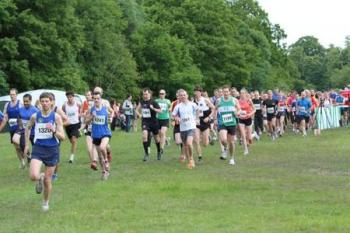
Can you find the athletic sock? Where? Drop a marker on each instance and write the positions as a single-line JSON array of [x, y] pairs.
[[145, 147], [158, 147]]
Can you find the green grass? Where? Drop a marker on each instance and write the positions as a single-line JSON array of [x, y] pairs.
[[292, 185]]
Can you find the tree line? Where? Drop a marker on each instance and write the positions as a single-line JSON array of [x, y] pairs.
[[124, 45]]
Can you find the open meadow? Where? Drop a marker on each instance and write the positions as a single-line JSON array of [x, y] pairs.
[[294, 184]]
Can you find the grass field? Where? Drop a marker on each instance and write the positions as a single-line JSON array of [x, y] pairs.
[[294, 184]]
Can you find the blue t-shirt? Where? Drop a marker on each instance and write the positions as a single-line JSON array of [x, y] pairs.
[[303, 107], [1, 116], [25, 114], [100, 123]]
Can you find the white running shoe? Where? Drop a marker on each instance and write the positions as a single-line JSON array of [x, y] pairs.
[[45, 206], [223, 154], [246, 152], [232, 162], [71, 158]]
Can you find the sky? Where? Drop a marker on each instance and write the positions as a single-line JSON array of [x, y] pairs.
[[327, 20]]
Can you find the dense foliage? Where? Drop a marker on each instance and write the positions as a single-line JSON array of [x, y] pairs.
[[124, 45]]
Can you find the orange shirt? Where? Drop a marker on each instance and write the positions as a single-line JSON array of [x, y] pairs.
[[246, 108]]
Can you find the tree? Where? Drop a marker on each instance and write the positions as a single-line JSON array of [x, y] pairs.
[[105, 58]]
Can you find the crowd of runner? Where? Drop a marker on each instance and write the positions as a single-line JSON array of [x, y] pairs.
[[230, 117]]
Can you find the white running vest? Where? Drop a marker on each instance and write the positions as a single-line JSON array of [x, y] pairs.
[[72, 113]]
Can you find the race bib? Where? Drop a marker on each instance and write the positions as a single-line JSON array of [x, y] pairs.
[[201, 113], [12, 122], [302, 109], [257, 106], [243, 113], [270, 110], [281, 108], [99, 120], [227, 118], [43, 130], [163, 107], [146, 113]]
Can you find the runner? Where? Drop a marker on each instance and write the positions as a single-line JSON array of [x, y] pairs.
[[176, 129], [281, 113], [87, 105], [291, 107], [72, 109], [258, 116], [303, 107], [25, 113], [149, 109], [64, 117], [100, 134], [270, 106], [227, 108], [48, 131], [128, 110], [163, 118], [11, 114], [206, 109], [245, 120], [106, 104], [186, 114]]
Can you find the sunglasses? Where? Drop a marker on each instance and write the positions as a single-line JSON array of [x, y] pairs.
[[161, 93]]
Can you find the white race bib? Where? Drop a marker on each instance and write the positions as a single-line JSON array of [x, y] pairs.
[[227, 118], [281, 108], [302, 109], [163, 106], [270, 110], [43, 130], [201, 113], [99, 120], [12, 122], [146, 113], [257, 106]]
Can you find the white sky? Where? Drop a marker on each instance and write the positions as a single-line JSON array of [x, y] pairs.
[[327, 20]]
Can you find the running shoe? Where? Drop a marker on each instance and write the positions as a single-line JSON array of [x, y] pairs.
[[71, 158], [105, 175], [39, 186], [182, 158], [145, 158], [45, 207], [54, 177], [93, 165], [200, 160], [191, 164], [246, 152], [232, 162], [223, 155]]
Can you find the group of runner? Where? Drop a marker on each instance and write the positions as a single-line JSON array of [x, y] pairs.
[[229, 115], [43, 128]]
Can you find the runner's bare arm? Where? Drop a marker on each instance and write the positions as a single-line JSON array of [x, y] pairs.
[[27, 133], [138, 110], [59, 127]]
